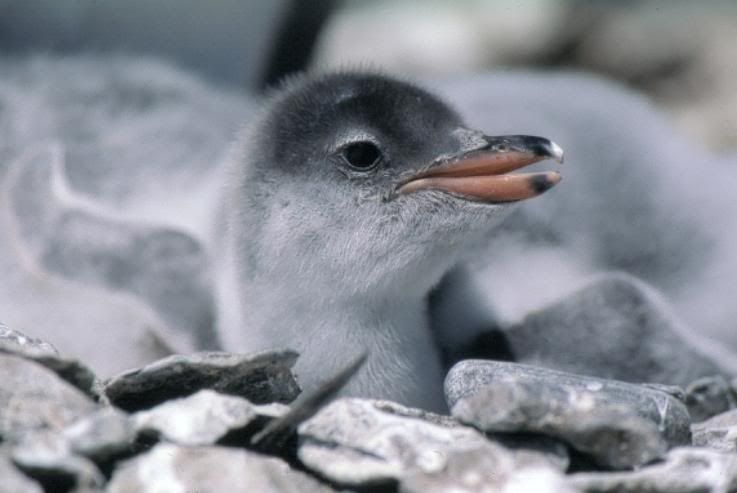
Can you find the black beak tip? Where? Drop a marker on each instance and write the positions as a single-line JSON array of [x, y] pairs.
[[547, 148], [543, 182]]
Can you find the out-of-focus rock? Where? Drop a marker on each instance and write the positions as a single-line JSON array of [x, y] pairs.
[[617, 424], [357, 442], [33, 397], [47, 457], [618, 332], [101, 434], [74, 316], [685, 470], [261, 378], [438, 37], [15, 481], [709, 396], [186, 469], [718, 432], [63, 235], [203, 418]]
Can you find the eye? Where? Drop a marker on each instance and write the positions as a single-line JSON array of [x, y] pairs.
[[362, 156]]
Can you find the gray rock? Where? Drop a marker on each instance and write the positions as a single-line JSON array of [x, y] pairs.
[[33, 397], [685, 470], [71, 370], [65, 236], [176, 469], [47, 457], [478, 471], [709, 396], [620, 331], [358, 442], [308, 403], [14, 481], [101, 434], [203, 418], [14, 342], [73, 315], [618, 424], [261, 378], [719, 432]]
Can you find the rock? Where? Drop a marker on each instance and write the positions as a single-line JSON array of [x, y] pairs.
[[261, 378], [65, 236], [307, 404], [361, 443], [621, 331], [719, 432], [479, 471], [71, 370], [685, 470], [203, 418], [33, 397], [177, 469], [14, 481], [14, 342], [709, 396], [617, 424], [101, 435], [73, 315], [47, 457]]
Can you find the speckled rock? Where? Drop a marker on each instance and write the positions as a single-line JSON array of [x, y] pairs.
[[33, 397], [177, 469], [73, 371], [203, 418], [685, 470], [478, 471], [259, 377], [617, 424], [709, 396], [359, 442], [718, 432], [620, 330]]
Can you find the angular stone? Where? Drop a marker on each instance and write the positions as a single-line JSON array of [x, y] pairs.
[[177, 469], [33, 397], [101, 435], [685, 470], [14, 481], [718, 432], [621, 330], [261, 378], [709, 396], [361, 443], [617, 424], [203, 418], [71, 370], [47, 457]]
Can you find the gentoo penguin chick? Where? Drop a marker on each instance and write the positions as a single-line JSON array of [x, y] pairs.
[[351, 196]]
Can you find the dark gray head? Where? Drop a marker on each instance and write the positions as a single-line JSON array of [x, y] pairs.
[[361, 182]]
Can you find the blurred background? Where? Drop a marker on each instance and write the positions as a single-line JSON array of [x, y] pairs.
[[682, 54]]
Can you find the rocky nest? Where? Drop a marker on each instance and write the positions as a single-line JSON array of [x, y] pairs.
[[217, 421]]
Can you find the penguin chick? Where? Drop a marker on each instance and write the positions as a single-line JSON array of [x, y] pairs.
[[348, 200]]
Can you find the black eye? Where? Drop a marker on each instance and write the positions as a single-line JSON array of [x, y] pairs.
[[362, 156]]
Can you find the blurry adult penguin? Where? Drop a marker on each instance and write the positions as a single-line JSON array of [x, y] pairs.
[[350, 199]]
